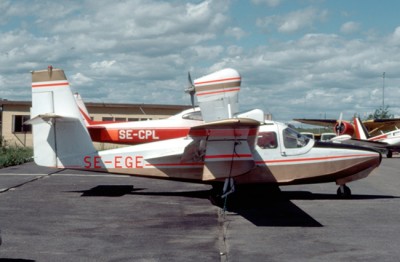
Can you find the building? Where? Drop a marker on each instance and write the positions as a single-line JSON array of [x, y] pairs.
[[15, 113]]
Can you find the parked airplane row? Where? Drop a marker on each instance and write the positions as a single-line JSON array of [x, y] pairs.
[[385, 142], [223, 147]]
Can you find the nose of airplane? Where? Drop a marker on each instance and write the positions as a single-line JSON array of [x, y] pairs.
[[349, 162]]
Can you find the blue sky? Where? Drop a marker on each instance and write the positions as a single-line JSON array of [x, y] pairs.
[[297, 58]]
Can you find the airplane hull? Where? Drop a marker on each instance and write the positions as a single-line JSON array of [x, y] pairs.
[[340, 166]]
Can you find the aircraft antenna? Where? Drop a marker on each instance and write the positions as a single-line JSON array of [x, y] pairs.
[[383, 91]]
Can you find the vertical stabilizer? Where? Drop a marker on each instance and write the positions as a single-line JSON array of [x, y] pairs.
[[360, 130], [60, 138], [218, 94]]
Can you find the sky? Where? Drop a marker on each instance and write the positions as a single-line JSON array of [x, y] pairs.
[[297, 58]]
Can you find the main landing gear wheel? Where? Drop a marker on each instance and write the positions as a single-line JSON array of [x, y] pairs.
[[389, 154], [344, 191]]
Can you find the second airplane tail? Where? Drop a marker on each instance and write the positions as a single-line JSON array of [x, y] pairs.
[[360, 130], [54, 116]]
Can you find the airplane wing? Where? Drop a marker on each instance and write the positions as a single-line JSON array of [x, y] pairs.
[[226, 147], [389, 124], [379, 146], [317, 122]]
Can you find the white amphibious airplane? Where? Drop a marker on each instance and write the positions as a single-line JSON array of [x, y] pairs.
[[230, 147]]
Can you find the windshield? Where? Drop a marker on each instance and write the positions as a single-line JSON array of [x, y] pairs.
[[293, 139]]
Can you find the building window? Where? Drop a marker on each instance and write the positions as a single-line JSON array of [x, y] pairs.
[[108, 119], [130, 119], [18, 124], [120, 119]]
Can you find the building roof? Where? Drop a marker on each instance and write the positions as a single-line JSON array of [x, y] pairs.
[[97, 104]]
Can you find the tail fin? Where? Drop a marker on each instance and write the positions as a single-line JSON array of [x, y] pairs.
[[60, 138], [83, 109], [360, 130], [217, 94]]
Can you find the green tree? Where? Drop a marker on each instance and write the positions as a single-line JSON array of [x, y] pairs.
[[380, 113]]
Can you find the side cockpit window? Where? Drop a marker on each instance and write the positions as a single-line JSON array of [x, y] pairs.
[[267, 140], [293, 139]]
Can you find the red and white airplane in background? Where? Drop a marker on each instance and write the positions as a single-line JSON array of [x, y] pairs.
[[228, 148], [390, 140], [343, 127]]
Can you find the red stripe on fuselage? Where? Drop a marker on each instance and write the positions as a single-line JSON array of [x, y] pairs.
[[227, 132], [314, 158], [228, 156]]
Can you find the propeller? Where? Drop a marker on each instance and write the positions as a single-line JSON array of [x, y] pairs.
[[339, 127], [190, 89]]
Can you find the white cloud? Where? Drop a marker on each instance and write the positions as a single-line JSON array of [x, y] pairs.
[[236, 32], [147, 52], [349, 27], [79, 79], [102, 65], [300, 19], [293, 21], [271, 3]]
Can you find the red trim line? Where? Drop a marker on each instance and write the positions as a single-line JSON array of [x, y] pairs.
[[48, 85], [378, 137], [242, 131], [229, 156], [217, 92], [87, 118], [313, 159], [218, 80], [175, 164]]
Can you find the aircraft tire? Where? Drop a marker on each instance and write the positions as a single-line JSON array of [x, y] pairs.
[[346, 192], [389, 154]]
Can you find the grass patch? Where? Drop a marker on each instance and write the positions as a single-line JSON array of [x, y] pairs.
[[14, 155]]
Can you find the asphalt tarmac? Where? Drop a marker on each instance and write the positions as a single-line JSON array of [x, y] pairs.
[[50, 215]]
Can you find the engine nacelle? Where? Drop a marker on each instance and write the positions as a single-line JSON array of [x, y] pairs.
[[345, 128]]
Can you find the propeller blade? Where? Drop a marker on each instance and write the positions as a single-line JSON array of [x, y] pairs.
[[190, 79], [190, 89], [339, 123]]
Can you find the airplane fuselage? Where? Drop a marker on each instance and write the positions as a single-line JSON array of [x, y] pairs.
[[139, 132], [281, 156]]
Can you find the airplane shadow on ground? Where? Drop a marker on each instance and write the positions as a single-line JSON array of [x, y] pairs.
[[266, 206]]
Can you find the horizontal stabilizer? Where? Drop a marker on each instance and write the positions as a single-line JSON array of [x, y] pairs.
[[60, 137], [217, 94], [46, 118]]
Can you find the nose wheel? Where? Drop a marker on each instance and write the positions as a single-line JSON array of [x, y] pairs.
[[343, 191]]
